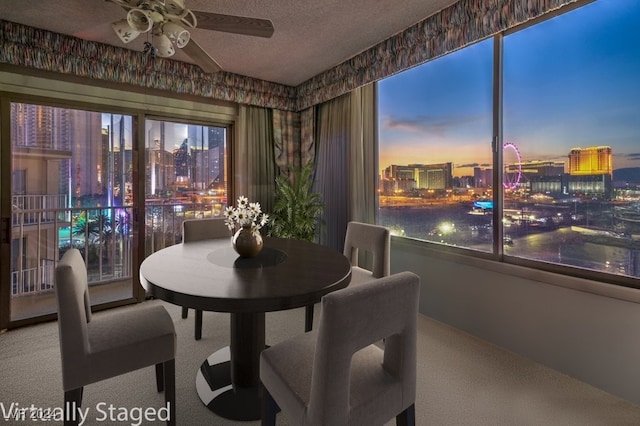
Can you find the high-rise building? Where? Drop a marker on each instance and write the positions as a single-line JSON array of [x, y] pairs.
[[421, 176], [40, 126], [482, 177], [589, 175], [181, 160], [593, 160], [216, 156], [538, 168], [86, 148], [46, 129]]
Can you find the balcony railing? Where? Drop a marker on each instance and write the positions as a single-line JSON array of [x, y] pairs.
[[33, 209], [164, 220], [33, 280], [43, 226], [42, 235]]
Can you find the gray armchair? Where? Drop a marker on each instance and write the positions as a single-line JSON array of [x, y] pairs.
[[363, 237], [94, 348], [336, 375], [196, 230]]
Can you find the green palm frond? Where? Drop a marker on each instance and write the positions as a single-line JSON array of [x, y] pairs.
[[297, 208]]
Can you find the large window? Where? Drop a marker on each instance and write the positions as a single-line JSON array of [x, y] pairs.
[[435, 150], [570, 138], [185, 178]]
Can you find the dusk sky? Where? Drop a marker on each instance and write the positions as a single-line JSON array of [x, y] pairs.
[[573, 81]]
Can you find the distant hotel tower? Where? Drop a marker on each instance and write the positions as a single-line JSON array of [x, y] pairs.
[[594, 160], [416, 177], [482, 178], [589, 174]]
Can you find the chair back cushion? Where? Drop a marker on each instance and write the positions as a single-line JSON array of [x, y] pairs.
[[352, 319], [74, 312], [204, 229], [374, 239]]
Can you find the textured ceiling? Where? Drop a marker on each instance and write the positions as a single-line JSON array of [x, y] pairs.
[[310, 36]]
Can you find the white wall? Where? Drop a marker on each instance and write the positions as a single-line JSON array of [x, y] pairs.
[[592, 337]]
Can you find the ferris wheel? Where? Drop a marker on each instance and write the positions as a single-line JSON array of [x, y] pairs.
[[512, 166]]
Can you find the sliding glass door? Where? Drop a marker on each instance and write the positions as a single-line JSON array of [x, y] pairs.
[[71, 186]]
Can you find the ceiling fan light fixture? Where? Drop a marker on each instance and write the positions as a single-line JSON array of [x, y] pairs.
[[176, 34], [175, 7], [124, 31], [170, 21], [140, 20], [164, 47]]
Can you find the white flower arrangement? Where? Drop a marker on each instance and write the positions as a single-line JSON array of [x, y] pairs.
[[245, 215]]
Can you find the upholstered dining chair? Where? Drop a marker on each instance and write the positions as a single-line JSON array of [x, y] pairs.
[[97, 347], [363, 237], [337, 375], [196, 230]]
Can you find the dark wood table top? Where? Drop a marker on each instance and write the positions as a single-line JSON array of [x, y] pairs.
[[209, 275]]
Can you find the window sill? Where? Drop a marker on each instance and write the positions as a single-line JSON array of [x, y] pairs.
[[481, 261]]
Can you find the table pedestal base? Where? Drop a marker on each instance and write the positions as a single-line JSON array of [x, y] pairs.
[[213, 383]]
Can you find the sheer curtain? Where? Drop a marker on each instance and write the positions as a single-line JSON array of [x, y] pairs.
[[253, 156], [363, 155], [346, 162]]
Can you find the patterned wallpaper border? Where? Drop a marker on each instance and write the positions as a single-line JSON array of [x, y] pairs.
[[44, 50], [452, 28]]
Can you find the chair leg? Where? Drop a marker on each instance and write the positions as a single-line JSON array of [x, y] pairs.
[[185, 312], [407, 417], [72, 401], [198, 324], [269, 408], [160, 377], [170, 390], [308, 318]]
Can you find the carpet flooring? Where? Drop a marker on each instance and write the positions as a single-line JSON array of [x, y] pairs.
[[461, 380]]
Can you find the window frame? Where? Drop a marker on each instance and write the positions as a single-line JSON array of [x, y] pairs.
[[603, 283]]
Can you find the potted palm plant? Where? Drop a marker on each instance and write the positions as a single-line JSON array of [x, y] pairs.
[[296, 208]]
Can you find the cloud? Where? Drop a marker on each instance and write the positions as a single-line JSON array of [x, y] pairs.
[[634, 156], [425, 123], [469, 165]]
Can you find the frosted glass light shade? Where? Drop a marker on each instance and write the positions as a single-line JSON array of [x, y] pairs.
[[164, 47], [140, 20], [124, 31], [177, 34]]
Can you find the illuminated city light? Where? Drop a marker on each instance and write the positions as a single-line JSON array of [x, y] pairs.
[[446, 228]]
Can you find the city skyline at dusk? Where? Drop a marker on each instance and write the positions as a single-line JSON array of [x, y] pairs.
[[570, 82]]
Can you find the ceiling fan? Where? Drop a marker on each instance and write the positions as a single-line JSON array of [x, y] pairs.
[[168, 21]]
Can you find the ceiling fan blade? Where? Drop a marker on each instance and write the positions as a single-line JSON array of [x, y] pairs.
[[127, 4], [200, 57], [234, 24]]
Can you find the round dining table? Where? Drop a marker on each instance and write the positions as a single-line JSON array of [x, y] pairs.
[[209, 275]]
